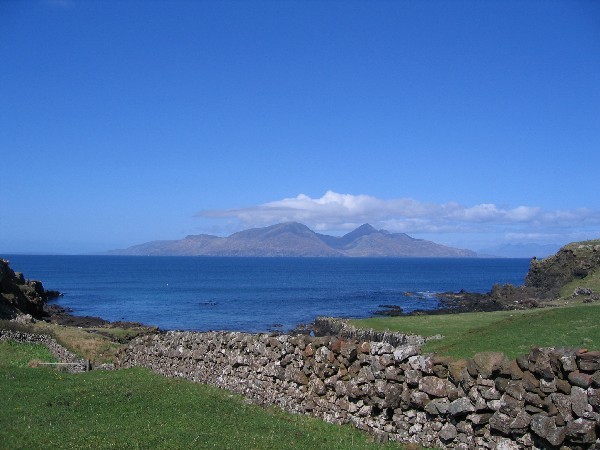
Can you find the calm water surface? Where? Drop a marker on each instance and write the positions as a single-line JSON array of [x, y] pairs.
[[255, 294]]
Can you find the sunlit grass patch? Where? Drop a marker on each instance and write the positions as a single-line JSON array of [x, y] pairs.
[[136, 408], [512, 332]]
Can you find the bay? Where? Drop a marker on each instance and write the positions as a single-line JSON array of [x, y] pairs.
[[255, 294]]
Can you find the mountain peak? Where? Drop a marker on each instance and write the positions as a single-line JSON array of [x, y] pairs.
[[363, 230], [296, 239], [366, 228]]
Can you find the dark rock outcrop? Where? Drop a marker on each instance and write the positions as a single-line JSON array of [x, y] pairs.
[[574, 261], [21, 296]]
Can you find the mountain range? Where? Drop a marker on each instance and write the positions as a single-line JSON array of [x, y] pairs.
[[294, 239]]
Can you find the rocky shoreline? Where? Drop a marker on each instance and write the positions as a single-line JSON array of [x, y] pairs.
[[542, 286]]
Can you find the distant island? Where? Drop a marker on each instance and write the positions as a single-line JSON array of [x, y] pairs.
[[294, 239]]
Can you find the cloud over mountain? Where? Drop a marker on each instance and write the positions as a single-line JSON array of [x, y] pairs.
[[335, 211]]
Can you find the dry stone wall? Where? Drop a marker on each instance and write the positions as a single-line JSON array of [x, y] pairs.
[[75, 363], [547, 399]]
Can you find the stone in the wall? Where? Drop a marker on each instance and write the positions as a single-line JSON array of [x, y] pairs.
[[486, 364], [511, 369], [594, 398], [531, 383], [437, 406], [539, 363], [403, 353], [579, 401], [580, 379], [419, 399], [589, 361], [500, 422], [596, 379], [461, 406], [545, 427], [434, 386], [392, 395], [581, 431], [448, 432]]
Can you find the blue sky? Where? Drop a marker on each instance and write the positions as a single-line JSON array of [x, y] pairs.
[[465, 122]]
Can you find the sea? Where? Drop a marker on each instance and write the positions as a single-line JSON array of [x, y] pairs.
[[255, 294]]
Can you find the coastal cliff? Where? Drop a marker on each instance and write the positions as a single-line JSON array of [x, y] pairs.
[[573, 261], [19, 295], [575, 266]]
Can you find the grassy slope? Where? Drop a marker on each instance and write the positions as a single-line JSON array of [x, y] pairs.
[[85, 342], [572, 324], [135, 408], [513, 332], [592, 281]]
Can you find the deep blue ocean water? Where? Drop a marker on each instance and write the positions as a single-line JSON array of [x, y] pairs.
[[255, 294]]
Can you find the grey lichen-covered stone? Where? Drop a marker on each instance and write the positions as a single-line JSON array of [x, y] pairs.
[[515, 389], [511, 406], [461, 406], [534, 400], [447, 433], [579, 401], [500, 422], [392, 373], [520, 423], [405, 352], [434, 386], [548, 386], [419, 399], [582, 431], [545, 427], [477, 400], [437, 406], [506, 444], [490, 393], [422, 363], [569, 363], [392, 395], [413, 377], [479, 418]]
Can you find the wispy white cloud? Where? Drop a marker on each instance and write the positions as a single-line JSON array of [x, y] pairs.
[[338, 212]]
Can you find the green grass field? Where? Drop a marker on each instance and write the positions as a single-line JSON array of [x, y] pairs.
[[135, 408], [512, 332]]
